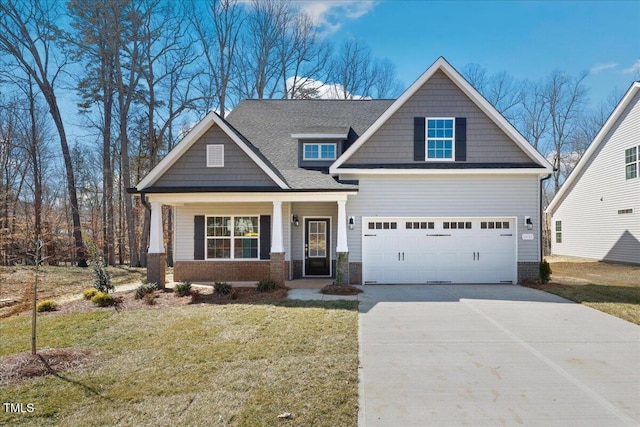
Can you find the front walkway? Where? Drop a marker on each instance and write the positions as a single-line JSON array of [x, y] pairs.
[[493, 355]]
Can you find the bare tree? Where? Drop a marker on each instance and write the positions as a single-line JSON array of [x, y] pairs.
[[354, 70], [218, 36], [386, 84], [533, 120], [26, 34], [565, 97], [500, 89]]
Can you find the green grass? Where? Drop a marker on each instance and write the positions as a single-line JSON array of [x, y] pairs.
[[619, 301], [236, 365]]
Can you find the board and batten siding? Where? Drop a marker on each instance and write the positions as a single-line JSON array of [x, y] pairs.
[[439, 97], [191, 169], [447, 196], [183, 229], [591, 225]]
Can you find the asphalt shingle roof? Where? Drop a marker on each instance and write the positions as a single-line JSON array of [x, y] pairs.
[[269, 124]]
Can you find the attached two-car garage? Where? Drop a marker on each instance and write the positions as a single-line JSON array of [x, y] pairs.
[[439, 250]]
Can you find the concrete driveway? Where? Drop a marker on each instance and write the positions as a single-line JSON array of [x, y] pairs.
[[493, 355]]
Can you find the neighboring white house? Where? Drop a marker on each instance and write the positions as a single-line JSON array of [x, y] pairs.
[[596, 213], [435, 186]]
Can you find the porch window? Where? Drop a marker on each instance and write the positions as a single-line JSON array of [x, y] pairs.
[[232, 237]]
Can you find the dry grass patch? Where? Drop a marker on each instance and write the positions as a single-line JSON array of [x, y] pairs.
[[234, 364]]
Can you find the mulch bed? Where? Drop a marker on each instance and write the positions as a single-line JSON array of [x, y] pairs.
[[49, 361], [340, 290]]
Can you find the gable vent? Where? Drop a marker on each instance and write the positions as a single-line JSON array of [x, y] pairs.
[[215, 155]]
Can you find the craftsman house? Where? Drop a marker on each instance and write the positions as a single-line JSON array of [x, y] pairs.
[[433, 187]]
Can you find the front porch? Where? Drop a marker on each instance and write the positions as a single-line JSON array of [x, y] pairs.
[[238, 237]]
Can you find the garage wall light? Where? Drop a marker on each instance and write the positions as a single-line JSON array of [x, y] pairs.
[[295, 220], [528, 223], [352, 221]]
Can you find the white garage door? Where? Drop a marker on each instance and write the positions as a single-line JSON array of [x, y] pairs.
[[439, 250]]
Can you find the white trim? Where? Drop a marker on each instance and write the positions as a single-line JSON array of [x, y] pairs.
[[231, 237], [215, 155], [191, 138], [426, 139], [319, 158], [597, 141], [442, 65], [319, 135], [176, 199], [341, 236], [384, 171], [277, 230], [304, 239], [156, 232]]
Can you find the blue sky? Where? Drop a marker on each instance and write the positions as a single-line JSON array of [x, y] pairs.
[[527, 39]]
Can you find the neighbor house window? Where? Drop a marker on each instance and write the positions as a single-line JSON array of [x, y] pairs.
[[558, 231], [631, 162], [440, 138], [232, 237], [215, 155], [317, 151]]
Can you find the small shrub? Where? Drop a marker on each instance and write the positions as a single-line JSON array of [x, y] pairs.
[[101, 277], [182, 289], [234, 294], [144, 289], [266, 285], [150, 299], [222, 288], [89, 293], [195, 295], [545, 271], [102, 299], [46, 305]]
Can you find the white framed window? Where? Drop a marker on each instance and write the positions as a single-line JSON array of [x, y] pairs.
[[318, 151], [232, 237], [440, 140], [215, 155], [558, 231], [631, 162]]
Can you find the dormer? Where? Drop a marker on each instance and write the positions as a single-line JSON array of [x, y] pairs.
[[319, 147]]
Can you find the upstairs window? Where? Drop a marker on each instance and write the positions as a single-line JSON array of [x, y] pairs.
[[631, 162], [319, 151], [440, 138]]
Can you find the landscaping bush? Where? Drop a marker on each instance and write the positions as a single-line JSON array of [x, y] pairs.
[[222, 288], [46, 305], [144, 289], [150, 299], [102, 299], [182, 289], [195, 295], [89, 293], [101, 277], [266, 285], [545, 271]]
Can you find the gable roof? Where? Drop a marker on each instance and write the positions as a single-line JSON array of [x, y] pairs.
[[274, 125], [199, 130], [600, 139], [442, 65]]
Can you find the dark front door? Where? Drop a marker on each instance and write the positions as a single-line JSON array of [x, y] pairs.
[[317, 247]]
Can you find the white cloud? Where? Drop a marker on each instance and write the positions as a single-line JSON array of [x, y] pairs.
[[331, 15], [635, 68], [601, 67], [315, 89]]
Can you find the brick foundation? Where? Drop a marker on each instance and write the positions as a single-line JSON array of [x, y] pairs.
[[221, 271], [528, 271], [342, 269], [156, 269], [278, 268]]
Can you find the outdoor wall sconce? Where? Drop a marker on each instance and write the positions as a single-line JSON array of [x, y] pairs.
[[295, 220], [528, 223], [352, 221]]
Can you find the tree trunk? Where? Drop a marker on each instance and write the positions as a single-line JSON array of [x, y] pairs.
[[37, 178]]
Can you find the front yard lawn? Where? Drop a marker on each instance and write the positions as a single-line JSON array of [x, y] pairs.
[[227, 365], [611, 288]]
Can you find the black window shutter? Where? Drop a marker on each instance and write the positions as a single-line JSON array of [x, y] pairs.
[[198, 237], [418, 139], [265, 236], [461, 139]]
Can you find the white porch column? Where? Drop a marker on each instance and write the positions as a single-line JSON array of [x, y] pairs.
[[341, 244], [156, 238], [276, 235]]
